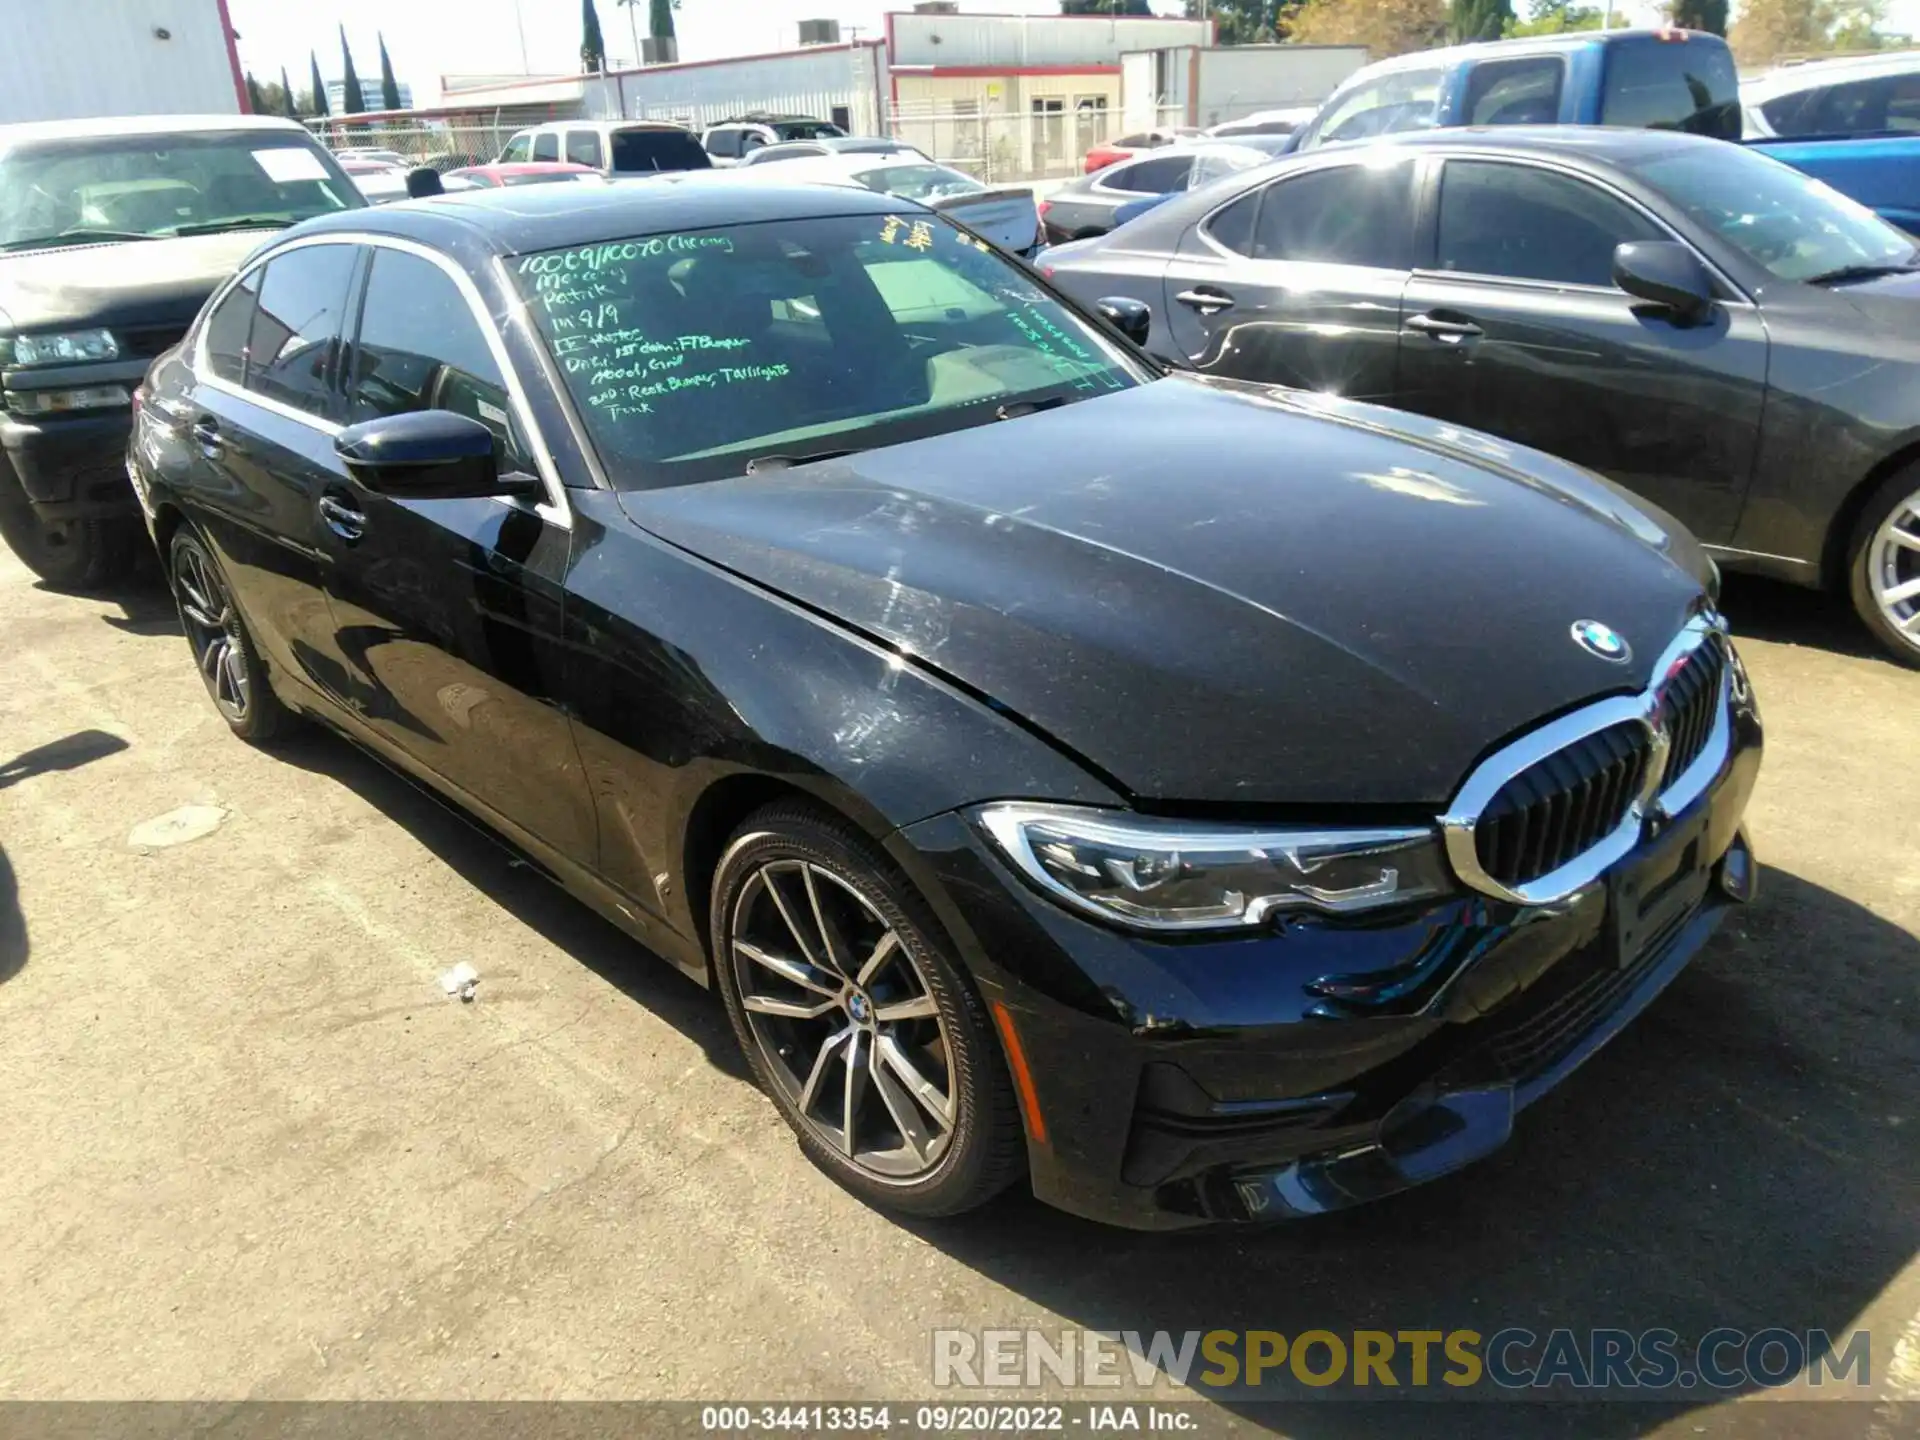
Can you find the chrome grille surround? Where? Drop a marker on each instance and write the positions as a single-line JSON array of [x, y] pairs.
[[1659, 791]]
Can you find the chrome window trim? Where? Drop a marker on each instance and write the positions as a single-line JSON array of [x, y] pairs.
[[554, 509], [1659, 793]]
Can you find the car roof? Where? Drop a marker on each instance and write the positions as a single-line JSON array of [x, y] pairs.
[[1812, 74], [601, 125], [553, 217], [1450, 55], [134, 126]]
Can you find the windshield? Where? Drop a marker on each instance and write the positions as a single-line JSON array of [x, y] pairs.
[[689, 355], [919, 182], [658, 150], [70, 193], [1792, 224]]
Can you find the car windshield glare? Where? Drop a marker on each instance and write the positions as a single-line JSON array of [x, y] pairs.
[[162, 185], [689, 355], [1794, 225]]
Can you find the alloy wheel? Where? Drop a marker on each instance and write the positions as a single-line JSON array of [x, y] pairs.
[[843, 1016], [1894, 568], [213, 630]]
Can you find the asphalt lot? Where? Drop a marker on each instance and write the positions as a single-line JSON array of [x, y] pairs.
[[251, 1150]]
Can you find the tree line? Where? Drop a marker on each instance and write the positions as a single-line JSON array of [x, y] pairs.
[[280, 98]]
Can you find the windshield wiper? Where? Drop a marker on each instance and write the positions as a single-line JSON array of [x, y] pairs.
[[1015, 409], [79, 235], [238, 222], [1844, 273], [787, 462]]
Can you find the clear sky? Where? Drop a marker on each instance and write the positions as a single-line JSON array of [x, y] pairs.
[[428, 38]]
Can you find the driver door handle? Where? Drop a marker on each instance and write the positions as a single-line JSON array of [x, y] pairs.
[[1205, 299], [1446, 331], [341, 518]]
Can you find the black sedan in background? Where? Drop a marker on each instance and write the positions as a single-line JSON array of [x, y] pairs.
[[845, 615], [1706, 326]]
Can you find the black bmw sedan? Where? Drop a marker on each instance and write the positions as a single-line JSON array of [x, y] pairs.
[[1213, 833], [1713, 330]]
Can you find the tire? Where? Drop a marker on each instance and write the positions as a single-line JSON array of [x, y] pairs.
[[941, 1147], [1883, 560], [76, 555], [223, 651]]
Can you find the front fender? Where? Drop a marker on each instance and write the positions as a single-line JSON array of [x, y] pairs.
[[681, 675]]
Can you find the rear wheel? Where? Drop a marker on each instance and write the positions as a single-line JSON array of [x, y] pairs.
[[76, 555], [1884, 566], [223, 651], [868, 1037]]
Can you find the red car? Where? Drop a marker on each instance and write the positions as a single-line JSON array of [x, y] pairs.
[[1127, 146], [525, 172]]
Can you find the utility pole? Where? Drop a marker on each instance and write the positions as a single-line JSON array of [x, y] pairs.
[[520, 23]]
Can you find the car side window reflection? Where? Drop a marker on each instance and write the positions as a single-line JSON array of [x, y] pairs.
[[228, 328], [420, 348], [1528, 224], [296, 326]]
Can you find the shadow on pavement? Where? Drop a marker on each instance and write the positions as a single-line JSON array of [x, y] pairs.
[[67, 753], [493, 866], [1736, 1157], [1791, 615], [13, 923]]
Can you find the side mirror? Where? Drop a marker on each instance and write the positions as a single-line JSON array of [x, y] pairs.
[[428, 455], [1132, 318], [423, 181], [1667, 273]]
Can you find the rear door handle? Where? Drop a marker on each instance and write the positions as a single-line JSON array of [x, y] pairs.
[[1205, 299], [206, 434], [1447, 332], [345, 521]]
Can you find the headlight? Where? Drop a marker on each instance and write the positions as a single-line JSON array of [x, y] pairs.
[[1167, 875], [74, 347]]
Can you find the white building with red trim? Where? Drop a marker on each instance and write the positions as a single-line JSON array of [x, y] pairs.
[[78, 59]]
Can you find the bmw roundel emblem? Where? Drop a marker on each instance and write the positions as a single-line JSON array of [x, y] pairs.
[[1601, 641]]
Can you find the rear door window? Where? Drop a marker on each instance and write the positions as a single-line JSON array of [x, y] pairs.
[[1515, 92], [229, 327], [546, 146], [296, 326], [1655, 84], [1343, 215], [724, 142], [1152, 177], [1528, 224], [1890, 103], [583, 148], [658, 150]]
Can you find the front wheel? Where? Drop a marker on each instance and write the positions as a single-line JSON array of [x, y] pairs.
[[1884, 566], [79, 555], [866, 1034]]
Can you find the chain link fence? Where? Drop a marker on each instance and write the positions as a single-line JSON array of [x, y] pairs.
[[995, 146]]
